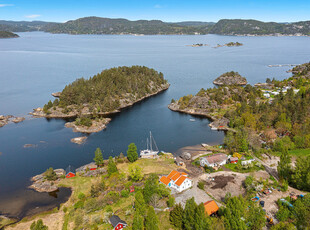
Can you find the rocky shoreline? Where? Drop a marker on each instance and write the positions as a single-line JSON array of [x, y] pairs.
[[40, 184], [4, 120], [97, 125], [216, 124]]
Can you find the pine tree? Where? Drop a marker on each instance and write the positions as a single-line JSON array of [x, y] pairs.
[[151, 220], [38, 225], [132, 154], [139, 204], [111, 166], [98, 157], [137, 222], [176, 216], [189, 214], [284, 168]]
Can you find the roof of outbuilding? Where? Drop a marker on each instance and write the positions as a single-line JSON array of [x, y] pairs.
[[234, 159], [115, 220], [216, 158], [211, 207], [70, 169]]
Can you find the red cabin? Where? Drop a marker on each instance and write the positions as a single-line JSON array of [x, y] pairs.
[[70, 172], [234, 160], [132, 188], [117, 223]]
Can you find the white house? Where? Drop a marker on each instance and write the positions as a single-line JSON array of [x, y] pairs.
[[214, 160], [177, 180], [243, 163], [267, 95]]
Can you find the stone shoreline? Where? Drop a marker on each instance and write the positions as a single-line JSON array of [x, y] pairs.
[[216, 124]]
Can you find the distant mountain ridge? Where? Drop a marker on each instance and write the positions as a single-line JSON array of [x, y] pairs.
[[98, 25], [254, 27]]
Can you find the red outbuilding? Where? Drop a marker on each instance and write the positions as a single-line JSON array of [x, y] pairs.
[[132, 188], [117, 223], [70, 172], [234, 160]]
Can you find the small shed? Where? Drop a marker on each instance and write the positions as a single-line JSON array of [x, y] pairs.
[[117, 223], [70, 172], [179, 161], [211, 207], [234, 160], [131, 188]]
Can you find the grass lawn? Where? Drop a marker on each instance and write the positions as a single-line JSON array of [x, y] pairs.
[[296, 152], [164, 222], [238, 168], [5, 221], [299, 152], [162, 165]]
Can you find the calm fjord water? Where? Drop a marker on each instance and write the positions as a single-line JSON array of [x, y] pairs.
[[37, 64]]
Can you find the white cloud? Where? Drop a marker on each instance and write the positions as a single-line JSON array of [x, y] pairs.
[[33, 16], [157, 6], [4, 5]]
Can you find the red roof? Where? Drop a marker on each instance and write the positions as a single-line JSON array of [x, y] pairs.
[[165, 180], [211, 207], [180, 180], [173, 172]]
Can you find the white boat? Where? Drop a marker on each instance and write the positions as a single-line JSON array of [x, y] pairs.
[[192, 119], [149, 152]]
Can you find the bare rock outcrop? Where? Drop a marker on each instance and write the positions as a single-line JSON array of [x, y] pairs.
[[78, 140], [40, 184]]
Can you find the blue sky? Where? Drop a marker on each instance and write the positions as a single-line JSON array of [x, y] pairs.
[[166, 10]]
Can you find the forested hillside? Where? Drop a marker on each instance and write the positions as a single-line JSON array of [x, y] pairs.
[[97, 25], [6, 34], [254, 27], [275, 120]]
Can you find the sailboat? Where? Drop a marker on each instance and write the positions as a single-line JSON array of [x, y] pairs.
[[149, 152]]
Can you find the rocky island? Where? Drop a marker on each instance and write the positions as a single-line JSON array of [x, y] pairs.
[[4, 120], [89, 101], [230, 78], [7, 34]]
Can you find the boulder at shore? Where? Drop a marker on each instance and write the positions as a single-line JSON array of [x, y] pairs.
[[230, 78]]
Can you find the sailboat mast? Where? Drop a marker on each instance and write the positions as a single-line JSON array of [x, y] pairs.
[[151, 141]]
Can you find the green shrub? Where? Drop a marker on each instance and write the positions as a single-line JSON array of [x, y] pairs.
[[50, 174], [81, 196], [171, 201], [125, 193], [84, 121], [79, 204], [201, 185]]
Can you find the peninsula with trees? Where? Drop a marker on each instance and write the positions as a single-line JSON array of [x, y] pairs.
[[7, 34], [89, 101]]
